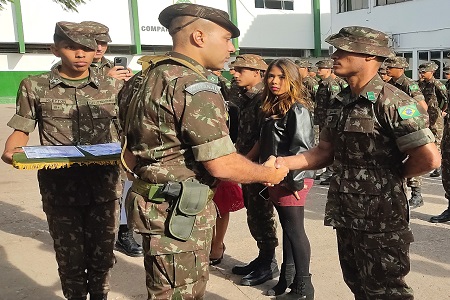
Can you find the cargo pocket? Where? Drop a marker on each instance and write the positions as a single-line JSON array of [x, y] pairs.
[[360, 199]]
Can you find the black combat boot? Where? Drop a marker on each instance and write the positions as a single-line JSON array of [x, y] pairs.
[[127, 244], [287, 274], [444, 217], [416, 198], [99, 297], [264, 270], [301, 289], [436, 173], [245, 269]]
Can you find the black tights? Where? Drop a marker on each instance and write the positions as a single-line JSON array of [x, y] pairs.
[[296, 247]]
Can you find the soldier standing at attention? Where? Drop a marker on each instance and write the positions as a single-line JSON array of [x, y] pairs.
[[395, 68], [176, 138], [312, 71], [80, 202], [445, 151], [435, 95], [309, 82], [328, 89], [249, 70], [374, 133]]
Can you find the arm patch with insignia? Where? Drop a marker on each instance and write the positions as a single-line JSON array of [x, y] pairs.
[[408, 111], [414, 87], [202, 87]]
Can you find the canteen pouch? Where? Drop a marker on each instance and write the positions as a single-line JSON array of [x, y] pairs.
[[191, 202]]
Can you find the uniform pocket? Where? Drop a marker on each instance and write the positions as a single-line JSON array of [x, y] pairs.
[[360, 199]]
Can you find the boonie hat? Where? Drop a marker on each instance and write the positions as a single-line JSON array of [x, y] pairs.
[[325, 64], [360, 39], [446, 70], [77, 33], [101, 31], [303, 63], [251, 61], [313, 69], [396, 62], [382, 69], [215, 15], [429, 66]]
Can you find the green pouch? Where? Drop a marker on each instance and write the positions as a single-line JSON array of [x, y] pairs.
[[192, 200]]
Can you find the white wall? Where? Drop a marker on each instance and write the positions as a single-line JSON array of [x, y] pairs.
[[7, 32]]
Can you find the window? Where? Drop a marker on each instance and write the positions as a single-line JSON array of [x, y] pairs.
[[275, 4], [349, 5], [387, 2], [439, 57]]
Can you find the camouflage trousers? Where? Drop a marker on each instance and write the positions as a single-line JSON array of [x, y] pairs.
[[83, 239], [260, 216], [445, 165], [374, 265], [436, 124], [414, 181]]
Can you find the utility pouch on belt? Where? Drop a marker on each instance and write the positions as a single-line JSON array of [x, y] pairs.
[[191, 201]]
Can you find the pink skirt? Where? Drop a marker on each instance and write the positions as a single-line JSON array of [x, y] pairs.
[[281, 196], [228, 197]]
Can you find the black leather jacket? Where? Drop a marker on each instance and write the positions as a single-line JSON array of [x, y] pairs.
[[286, 136]]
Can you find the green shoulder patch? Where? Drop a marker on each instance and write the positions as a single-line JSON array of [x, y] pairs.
[[202, 87], [315, 87], [371, 96], [414, 87], [408, 111], [335, 88]]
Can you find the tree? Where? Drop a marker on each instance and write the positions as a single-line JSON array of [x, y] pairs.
[[68, 5]]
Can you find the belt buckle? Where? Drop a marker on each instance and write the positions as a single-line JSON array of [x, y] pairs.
[[155, 194]]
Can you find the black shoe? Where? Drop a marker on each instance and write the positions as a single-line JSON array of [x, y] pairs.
[[245, 269], [99, 297], [260, 275], [127, 244], [436, 173], [444, 217]]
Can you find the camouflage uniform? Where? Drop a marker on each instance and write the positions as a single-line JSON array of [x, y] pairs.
[[341, 81], [81, 202], [435, 95], [366, 202], [311, 84], [103, 66]]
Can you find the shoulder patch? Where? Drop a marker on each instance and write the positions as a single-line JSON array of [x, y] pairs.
[[335, 88], [442, 87], [371, 96], [408, 111], [414, 87], [202, 87]]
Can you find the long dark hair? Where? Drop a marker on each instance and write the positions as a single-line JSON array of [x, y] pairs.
[[296, 92]]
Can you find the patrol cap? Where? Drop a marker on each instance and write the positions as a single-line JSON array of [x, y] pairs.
[[302, 63], [382, 69], [215, 15], [360, 39], [313, 69], [429, 66], [101, 31], [251, 61], [446, 70], [325, 64], [77, 33], [396, 62]]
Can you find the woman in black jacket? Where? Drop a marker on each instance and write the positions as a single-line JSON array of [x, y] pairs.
[[288, 130]]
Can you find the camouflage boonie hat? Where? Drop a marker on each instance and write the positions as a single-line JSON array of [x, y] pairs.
[[382, 69], [303, 63], [215, 15], [325, 64], [396, 62], [251, 61], [77, 33], [313, 69], [360, 39], [429, 66], [446, 70], [101, 31]]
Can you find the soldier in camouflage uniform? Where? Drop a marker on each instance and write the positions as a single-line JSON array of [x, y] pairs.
[[309, 82], [376, 136], [435, 95], [176, 133], [383, 73], [72, 105], [395, 67], [445, 151], [327, 90], [341, 81], [249, 71], [312, 71]]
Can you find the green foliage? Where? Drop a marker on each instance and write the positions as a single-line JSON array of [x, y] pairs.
[[67, 5]]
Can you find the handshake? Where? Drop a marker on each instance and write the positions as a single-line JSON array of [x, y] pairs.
[[279, 172]]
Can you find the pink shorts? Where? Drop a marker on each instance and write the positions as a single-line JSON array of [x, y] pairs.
[[281, 196]]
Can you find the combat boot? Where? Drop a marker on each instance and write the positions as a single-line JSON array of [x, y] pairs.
[[436, 173], [287, 274], [266, 269], [301, 289], [444, 217], [127, 244], [416, 198], [99, 297]]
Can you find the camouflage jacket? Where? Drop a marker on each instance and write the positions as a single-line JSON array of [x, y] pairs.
[[179, 121], [435, 93], [328, 89], [370, 133], [311, 86], [85, 114], [409, 86], [249, 118], [103, 66], [341, 81]]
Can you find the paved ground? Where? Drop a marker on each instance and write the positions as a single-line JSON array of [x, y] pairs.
[[28, 267]]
